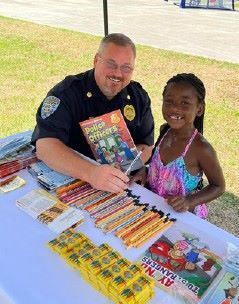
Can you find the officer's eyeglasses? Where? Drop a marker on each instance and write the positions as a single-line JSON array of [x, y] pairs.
[[110, 64]]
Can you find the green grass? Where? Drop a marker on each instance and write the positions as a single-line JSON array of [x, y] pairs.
[[34, 58]]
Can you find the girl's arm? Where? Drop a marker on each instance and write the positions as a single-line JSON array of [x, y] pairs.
[[140, 176], [210, 165]]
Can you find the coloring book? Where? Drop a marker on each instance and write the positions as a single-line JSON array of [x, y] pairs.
[[110, 140], [182, 262], [227, 290]]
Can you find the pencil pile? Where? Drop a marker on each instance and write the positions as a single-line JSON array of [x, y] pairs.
[[122, 213], [105, 269]]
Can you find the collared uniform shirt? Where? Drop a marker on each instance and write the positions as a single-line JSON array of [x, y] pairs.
[[80, 99]]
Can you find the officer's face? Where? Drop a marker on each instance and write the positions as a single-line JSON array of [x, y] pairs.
[[113, 69]]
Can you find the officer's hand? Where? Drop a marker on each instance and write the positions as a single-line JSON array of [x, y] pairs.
[[108, 178]]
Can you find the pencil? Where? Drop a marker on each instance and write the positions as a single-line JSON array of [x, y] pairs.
[[133, 162], [147, 238]]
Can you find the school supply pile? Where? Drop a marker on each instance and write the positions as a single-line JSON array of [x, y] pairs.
[[49, 210], [122, 213], [105, 269], [47, 177], [15, 154], [111, 141]]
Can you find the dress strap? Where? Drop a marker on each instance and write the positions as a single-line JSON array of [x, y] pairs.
[[163, 137], [190, 142]]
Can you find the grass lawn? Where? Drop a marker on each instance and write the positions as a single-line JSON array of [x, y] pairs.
[[34, 58]]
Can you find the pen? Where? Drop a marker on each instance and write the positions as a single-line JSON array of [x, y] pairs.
[[133, 162]]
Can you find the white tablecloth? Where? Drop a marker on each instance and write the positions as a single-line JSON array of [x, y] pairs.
[[30, 273]]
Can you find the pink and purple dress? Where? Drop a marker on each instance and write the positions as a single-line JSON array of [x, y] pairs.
[[173, 179]]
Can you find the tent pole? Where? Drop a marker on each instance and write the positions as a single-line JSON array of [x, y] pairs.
[[105, 17]]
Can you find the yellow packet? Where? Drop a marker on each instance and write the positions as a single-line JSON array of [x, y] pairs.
[[84, 248], [12, 183], [73, 260], [139, 291], [100, 264], [124, 279]]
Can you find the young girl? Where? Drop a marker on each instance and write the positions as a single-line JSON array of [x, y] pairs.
[[181, 154]]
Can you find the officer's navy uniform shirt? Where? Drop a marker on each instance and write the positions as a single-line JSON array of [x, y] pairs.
[[81, 99]]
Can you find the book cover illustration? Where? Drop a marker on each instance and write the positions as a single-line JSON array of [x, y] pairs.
[[110, 140], [182, 263], [227, 290], [49, 210]]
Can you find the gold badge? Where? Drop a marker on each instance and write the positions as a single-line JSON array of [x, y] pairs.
[[129, 112], [89, 94]]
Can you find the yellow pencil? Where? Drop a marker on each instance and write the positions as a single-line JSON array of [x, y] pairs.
[[127, 228], [123, 219], [150, 227]]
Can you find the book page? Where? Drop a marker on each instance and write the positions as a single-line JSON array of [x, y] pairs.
[[67, 219], [35, 202], [49, 210], [227, 290]]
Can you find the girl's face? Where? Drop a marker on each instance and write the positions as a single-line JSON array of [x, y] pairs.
[[181, 105]]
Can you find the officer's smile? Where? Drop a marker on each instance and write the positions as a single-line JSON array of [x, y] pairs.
[[114, 79]]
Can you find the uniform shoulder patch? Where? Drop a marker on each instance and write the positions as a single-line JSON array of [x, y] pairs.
[[49, 106]]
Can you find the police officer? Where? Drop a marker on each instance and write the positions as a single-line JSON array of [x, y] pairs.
[[103, 89]]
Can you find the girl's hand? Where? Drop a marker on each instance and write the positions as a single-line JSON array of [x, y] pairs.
[[179, 203], [139, 177]]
